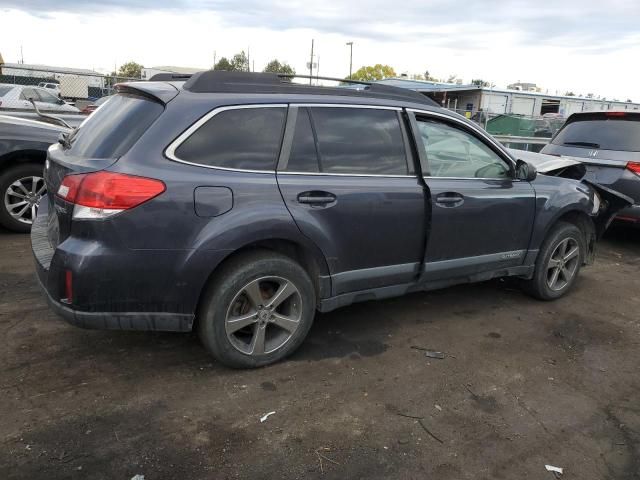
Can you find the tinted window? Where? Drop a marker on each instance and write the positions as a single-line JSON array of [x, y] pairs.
[[303, 156], [111, 130], [4, 89], [452, 152], [611, 134], [247, 138], [359, 140]]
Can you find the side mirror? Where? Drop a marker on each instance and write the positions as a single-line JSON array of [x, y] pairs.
[[60, 101], [525, 171]]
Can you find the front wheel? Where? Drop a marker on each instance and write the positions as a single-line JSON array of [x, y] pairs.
[[559, 262], [258, 310]]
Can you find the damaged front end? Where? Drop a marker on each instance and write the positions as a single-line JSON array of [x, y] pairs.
[[606, 202]]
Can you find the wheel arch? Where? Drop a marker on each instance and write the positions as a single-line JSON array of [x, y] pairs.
[[584, 222], [18, 157], [307, 255]]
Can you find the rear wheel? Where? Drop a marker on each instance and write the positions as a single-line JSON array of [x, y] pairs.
[[21, 188], [257, 311], [559, 262]]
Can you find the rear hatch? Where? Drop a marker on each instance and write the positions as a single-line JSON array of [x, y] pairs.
[[101, 139]]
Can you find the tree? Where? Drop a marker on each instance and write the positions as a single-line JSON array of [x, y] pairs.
[[569, 94], [375, 72], [452, 78], [131, 70], [274, 66], [629, 100], [481, 83], [239, 63], [223, 64]]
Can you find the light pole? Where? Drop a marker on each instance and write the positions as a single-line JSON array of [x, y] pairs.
[[350, 57]]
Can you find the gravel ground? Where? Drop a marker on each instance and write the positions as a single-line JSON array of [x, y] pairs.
[[523, 384]]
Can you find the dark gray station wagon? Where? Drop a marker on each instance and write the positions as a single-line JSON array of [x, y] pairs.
[[239, 204]]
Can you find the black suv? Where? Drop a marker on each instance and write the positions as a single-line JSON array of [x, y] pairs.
[[239, 204]]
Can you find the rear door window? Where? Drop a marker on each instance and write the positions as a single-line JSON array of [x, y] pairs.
[[605, 134], [4, 89], [110, 131], [241, 138], [359, 141]]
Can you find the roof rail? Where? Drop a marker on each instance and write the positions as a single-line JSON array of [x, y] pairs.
[[168, 77], [220, 81]]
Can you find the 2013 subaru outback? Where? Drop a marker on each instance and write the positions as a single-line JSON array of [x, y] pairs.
[[239, 204]]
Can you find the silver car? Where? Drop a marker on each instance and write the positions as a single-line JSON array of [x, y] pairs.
[[17, 97]]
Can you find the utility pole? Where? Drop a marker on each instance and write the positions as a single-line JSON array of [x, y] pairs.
[[350, 57], [248, 60], [214, 59], [311, 64], [21, 55]]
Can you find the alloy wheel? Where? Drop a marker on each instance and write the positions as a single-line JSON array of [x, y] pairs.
[[263, 315], [563, 264], [22, 198]]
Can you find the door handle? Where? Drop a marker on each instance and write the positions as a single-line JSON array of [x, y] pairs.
[[449, 199], [316, 198]]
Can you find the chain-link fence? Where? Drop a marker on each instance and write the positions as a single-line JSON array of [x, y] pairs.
[[70, 83], [524, 132]]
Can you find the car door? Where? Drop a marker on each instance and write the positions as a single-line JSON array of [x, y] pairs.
[[481, 217], [347, 178]]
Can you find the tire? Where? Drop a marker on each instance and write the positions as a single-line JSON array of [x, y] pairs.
[[560, 242], [234, 316], [24, 173]]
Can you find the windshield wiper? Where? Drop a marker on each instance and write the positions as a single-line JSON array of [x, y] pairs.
[[583, 144]]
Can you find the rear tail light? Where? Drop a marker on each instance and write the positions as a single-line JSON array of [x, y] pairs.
[[634, 167], [102, 194]]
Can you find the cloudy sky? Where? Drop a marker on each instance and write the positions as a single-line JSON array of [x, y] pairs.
[[586, 46]]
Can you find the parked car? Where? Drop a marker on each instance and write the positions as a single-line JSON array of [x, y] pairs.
[[239, 204], [608, 143], [55, 87], [16, 97], [94, 105], [23, 150]]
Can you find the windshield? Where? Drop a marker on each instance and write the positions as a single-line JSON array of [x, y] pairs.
[[112, 129], [605, 134]]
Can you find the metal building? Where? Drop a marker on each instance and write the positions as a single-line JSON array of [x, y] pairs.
[[469, 99]]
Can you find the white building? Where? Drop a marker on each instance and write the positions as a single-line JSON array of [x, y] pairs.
[[94, 79], [468, 99]]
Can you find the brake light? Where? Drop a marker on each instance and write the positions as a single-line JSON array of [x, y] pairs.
[[102, 194], [615, 114], [634, 167]]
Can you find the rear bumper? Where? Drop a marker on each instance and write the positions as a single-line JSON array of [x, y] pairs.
[[629, 215], [168, 322], [51, 264]]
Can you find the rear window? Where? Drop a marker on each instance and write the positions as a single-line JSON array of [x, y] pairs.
[[112, 129], [243, 138], [4, 89], [605, 134]]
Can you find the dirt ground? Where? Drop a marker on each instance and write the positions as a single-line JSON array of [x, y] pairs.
[[523, 384]]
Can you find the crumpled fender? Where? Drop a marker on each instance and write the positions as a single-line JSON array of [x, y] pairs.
[[611, 203]]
